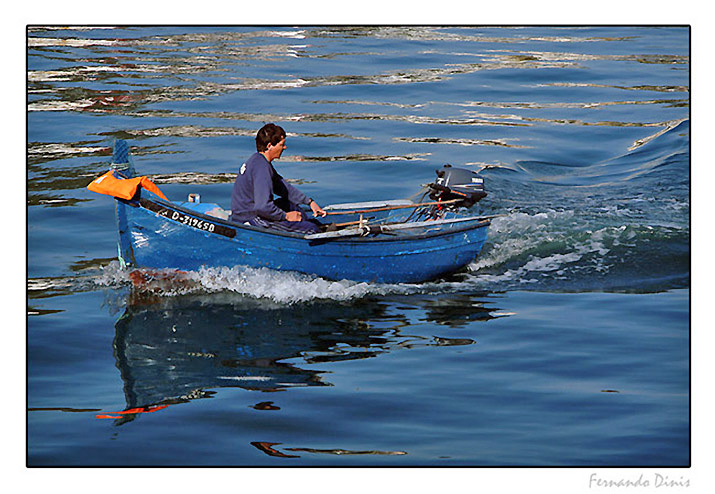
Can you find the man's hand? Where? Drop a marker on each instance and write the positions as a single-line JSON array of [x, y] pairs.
[[317, 210], [294, 216]]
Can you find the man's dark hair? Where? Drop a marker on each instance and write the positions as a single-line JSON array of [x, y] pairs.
[[269, 134]]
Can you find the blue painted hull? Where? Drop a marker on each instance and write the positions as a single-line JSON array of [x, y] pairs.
[[160, 234]]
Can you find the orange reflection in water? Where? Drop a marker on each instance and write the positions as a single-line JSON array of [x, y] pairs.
[[132, 411]]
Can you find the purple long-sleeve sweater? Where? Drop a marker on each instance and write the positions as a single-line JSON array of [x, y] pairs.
[[256, 183]]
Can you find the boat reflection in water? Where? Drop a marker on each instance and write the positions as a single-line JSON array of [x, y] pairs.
[[172, 350]]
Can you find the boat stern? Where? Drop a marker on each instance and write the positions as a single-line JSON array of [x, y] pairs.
[[125, 251]]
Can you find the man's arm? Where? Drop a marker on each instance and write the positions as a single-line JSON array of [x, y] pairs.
[[297, 197], [284, 189]]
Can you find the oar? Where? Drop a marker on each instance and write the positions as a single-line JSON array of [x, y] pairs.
[[348, 223], [376, 229], [388, 208]]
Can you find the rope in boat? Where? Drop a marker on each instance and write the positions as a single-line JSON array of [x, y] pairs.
[[388, 208]]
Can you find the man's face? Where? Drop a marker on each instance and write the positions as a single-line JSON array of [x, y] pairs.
[[275, 151]]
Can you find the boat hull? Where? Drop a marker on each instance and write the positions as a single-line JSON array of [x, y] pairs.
[[160, 234]]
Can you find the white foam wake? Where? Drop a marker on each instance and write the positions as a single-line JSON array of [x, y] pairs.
[[528, 248], [289, 287], [282, 287]]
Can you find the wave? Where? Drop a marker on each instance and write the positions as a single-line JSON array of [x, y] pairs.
[[670, 144], [564, 251]]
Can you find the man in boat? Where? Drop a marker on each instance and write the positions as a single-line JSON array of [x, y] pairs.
[[257, 182]]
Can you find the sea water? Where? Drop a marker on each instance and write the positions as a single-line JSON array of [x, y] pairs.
[[565, 343]]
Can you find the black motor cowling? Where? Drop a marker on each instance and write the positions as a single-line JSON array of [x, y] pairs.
[[457, 183]]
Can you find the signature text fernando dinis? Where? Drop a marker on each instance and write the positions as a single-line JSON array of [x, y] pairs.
[[654, 480]]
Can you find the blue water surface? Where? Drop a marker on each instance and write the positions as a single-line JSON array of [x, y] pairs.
[[565, 343]]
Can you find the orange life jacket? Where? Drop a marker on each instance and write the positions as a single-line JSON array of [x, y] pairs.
[[123, 188]]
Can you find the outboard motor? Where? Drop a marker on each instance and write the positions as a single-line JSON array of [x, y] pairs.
[[457, 183]]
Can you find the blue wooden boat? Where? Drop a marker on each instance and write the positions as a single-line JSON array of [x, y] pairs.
[[401, 242]]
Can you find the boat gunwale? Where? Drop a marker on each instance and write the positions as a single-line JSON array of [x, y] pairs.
[[298, 236]]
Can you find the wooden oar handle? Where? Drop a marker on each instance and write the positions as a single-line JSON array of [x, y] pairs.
[[388, 208]]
